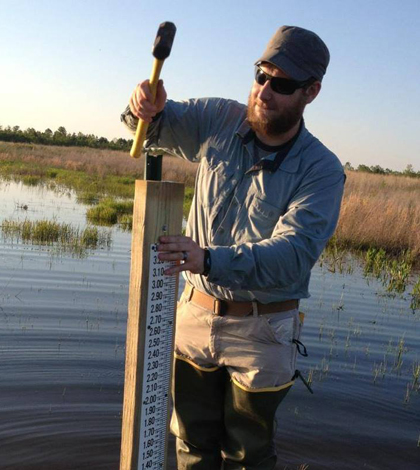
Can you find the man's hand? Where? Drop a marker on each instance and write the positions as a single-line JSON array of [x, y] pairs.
[[141, 103], [178, 248]]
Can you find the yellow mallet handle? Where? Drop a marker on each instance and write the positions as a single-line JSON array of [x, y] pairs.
[[142, 125]]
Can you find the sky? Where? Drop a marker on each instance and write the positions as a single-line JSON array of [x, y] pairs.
[[75, 64]]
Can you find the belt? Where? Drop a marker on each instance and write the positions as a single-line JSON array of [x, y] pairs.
[[237, 309]]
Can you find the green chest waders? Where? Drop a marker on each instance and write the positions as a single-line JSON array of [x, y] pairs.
[[220, 426]]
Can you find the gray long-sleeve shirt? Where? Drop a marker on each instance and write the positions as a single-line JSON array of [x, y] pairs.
[[265, 224]]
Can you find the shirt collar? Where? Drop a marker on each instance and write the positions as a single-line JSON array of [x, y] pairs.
[[292, 161]]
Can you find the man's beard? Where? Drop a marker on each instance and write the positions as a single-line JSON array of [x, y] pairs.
[[279, 123]]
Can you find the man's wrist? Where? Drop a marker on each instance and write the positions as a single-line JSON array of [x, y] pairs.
[[129, 119], [207, 262]]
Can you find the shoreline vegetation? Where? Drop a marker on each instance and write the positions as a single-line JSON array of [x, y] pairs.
[[379, 219], [63, 237]]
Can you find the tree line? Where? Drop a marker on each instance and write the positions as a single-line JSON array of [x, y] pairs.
[[376, 169], [62, 137]]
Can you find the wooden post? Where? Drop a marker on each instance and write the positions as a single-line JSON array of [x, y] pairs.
[[157, 208]]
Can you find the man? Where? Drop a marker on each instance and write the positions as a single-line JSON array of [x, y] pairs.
[[267, 198]]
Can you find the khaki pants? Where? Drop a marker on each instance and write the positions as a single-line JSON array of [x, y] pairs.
[[231, 373]]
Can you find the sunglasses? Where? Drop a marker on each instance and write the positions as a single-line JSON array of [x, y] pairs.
[[284, 86]]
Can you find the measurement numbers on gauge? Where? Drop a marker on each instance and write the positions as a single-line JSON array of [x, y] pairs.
[[156, 364]]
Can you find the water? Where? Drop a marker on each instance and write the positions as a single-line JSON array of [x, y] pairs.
[[62, 344]]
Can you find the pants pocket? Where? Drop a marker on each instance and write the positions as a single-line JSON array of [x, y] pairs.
[[281, 327], [284, 328]]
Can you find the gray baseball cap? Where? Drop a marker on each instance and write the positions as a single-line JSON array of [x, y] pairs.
[[300, 53]]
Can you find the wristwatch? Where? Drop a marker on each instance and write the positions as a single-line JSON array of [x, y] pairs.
[[207, 262]]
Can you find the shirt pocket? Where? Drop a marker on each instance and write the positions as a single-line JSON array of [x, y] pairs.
[[213, 181], [263, 217]]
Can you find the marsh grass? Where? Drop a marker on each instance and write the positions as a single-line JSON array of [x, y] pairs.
[[380, 211], [126, 221], [310, 377], [335, 256], [415, 296], [407, 394], [31, 180], [87, 186], [394, 272], [415, 385], [399, 352], [110, 211], [63, 236], [88, 198], [379, 370], [319, 373], [40, 159]]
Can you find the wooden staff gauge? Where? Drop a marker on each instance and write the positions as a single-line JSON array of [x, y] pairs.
[[152, 303]]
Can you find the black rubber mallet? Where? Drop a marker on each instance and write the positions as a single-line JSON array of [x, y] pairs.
[[161, 50]]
